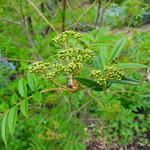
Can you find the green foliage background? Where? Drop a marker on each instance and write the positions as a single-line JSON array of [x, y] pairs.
[[49, 124]]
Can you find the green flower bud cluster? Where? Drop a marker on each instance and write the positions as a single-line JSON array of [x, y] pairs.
[[39, 67], [65, 36], [73, 68], [71, 52], [113, 73], [56, 69], [109, 73], [47, 70], [76, 54], [74, 57], [50, 76], [86, 54], [98, 75]]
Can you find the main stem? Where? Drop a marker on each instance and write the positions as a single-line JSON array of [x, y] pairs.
[[63, 15], [98, 12]]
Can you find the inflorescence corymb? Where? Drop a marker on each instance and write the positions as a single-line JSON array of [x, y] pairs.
[[108, 73], [64, 37], [71, 60], [75, 54]]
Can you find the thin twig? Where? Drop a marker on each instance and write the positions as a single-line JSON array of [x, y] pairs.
[[76, 23], [61, 89], [9, 20], [98, 12], [72, 15], [62, 86], [96, 99], [25, 27], [17, 60], [124, 97], [79, 109], [138, 92], [42, 15], [71, 104], [47, 90], [80, 5], [103, 12]]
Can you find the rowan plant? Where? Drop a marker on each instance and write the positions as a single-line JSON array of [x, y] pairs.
[[79, 69], [71, 60]]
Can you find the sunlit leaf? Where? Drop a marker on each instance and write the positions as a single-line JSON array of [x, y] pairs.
[[22, 88], [97, 33], [37, 97], [4, 128], [12, 119], [124, 82], [32, 81], [97, 63], [13, 99], [131, 65], [117, 49], [3, 106], [24, 107], [131, 79], [104, 57]]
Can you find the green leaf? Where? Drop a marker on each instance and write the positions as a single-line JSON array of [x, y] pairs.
[[104, 57], [90, 84], [13, 99], [3, 106], [124, 82], [87, 38], [97, 63], [32, 81], [12, 119], [98, 33], [37, 97], [24, 107], [94, 35], [131, 79], [131, 65], [117, 49], [22, 88], [108, 84], [4, 128]]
